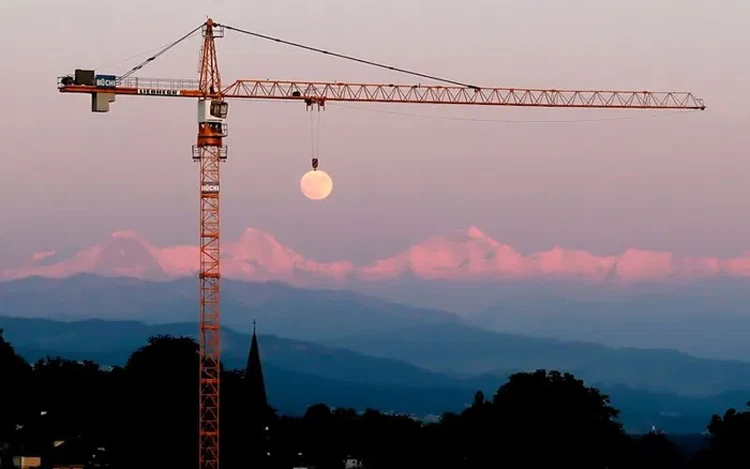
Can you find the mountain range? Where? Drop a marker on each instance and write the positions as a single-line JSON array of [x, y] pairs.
[[431, 339], [282, 309], [300, 373], [638, 298], [423, 329], [450, 349], [707, 318], [465, 255]]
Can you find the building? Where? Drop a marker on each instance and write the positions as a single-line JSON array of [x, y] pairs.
[[259, 414], [352, 463], [256, 386], [27, 462]]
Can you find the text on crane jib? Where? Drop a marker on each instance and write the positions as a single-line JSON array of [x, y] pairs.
[[155, 92]]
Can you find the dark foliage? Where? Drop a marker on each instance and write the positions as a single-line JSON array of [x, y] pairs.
[[144, 414]]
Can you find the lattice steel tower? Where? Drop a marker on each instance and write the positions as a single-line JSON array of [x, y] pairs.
[[210, 152]]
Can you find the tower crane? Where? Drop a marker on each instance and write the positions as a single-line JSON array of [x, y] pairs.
[[209, 151]]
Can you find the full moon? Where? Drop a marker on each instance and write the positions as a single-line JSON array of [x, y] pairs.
[[316, 185]]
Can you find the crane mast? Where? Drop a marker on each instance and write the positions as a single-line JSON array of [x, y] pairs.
[[209, 152]]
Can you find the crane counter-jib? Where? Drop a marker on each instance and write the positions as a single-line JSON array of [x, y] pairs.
[[82, 89], [130, 86]]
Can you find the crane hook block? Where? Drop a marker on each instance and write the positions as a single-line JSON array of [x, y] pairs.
[[315, 164]]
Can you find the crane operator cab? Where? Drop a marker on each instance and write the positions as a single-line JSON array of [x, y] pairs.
[[212, 111], [212, 127], [219, 109], [213, 114]]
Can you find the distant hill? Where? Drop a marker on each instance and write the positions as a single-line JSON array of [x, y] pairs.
[[468, 350], [112, 342], [282, 309], [708, 317], [705, 317], [302, 373], [297, 373], [431, 339]]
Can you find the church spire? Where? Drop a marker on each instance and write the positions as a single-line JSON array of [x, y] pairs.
[[254, 378], [258, 414]]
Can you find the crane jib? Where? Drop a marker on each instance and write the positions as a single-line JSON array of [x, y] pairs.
[[86, 81]]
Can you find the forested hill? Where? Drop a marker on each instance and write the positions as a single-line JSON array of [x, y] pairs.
[[299, 373]]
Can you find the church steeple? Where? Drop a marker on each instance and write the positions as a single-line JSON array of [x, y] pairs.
[[254, 379], [258, 414]]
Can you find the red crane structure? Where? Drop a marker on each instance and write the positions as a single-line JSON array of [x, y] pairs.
[[209, 151]]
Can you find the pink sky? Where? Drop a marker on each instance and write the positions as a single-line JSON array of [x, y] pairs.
[[674, 183]]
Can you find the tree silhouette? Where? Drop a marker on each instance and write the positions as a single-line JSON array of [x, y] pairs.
[[655, 450], [162, 404], [15, 380], [320, 445], [548, 418], [729, 438]]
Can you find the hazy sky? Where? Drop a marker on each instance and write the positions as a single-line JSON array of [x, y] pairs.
[[657, 180]]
